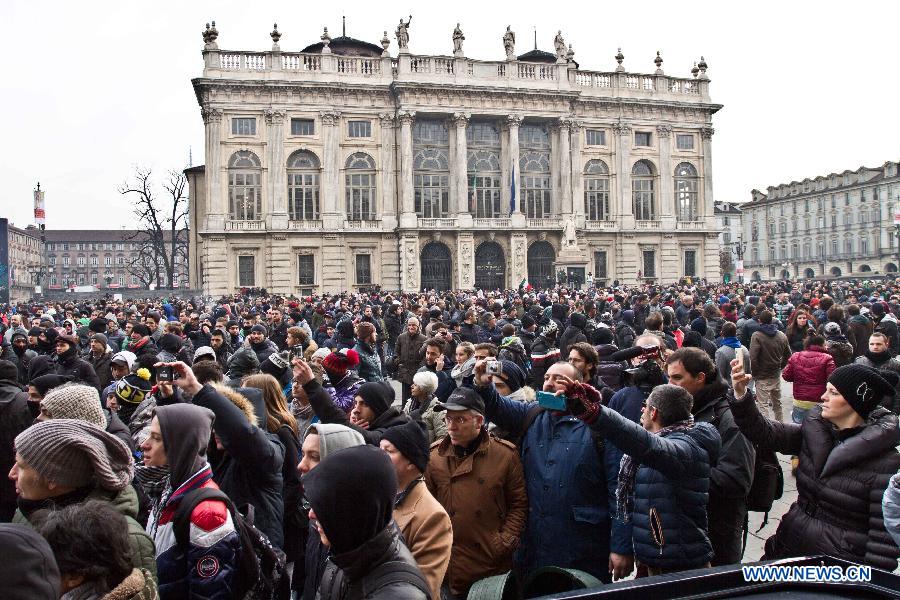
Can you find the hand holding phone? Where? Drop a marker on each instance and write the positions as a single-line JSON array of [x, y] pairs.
[[551, 401]]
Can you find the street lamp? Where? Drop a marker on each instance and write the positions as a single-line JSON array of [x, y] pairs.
[[739, 247]]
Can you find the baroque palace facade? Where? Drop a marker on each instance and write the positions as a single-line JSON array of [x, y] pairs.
[[343, 167]]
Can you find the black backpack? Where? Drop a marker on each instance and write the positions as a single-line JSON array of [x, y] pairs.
[[384, 575], [261, 572]]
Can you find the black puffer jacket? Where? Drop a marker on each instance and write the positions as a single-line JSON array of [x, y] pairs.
[[840, 483], [670, 490], [730, 478], [249, 470], [350, 575], [14, 419]]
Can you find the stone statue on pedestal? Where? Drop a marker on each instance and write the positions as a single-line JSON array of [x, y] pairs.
[[509, 43], [458, 39], [402, 33], [560, 44], [569, 238]]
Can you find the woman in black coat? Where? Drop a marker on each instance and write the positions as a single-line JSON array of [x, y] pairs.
[[847, 450]]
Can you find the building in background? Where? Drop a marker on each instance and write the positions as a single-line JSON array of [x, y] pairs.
[[24, 261], [342, 167], [728, 222], [836, 225], [105, 258]]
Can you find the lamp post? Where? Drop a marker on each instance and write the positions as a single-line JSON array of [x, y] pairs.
[[739, 247]]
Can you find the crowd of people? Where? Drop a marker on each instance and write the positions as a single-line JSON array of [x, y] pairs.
[[409, 445]]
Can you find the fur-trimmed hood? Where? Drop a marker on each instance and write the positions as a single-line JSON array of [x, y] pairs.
[[238, 400]]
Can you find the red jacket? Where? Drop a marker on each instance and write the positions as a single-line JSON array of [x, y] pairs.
[[809, 370]]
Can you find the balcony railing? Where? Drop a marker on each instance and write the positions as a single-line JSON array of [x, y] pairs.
[[690, 225], [236, 225], [601, 225], [367, 225], [647, 224], [459, 70], [494, 223], [442, 223], [306, 225], [545, 223]]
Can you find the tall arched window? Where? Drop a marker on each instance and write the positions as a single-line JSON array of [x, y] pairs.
[[244, 188], [303, 186], [534, 171], [596, 191], [431, 168], [642, 195], [686, 192], [483, 166], [360, 183]]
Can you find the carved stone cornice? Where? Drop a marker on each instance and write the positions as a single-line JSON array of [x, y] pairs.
[[407, 117], [707, 132], [664, 131], [329, 117], [461, 119], [211, 115], [275, 117], [621, 128]]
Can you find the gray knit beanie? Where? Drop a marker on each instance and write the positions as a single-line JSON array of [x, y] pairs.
[[75, 401], [74, 454]]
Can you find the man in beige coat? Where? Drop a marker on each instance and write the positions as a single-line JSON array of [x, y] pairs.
[[479, 481], [423, 522]]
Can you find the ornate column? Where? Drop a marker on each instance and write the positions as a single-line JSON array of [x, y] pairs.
[[388, 210], [666, 185], [512, 126], [575, 163], [330, 121], [407, 203], [625, 211], [565, 168], [278, 218], [409, 262], [460, 170], [706, 206], [518, 244], [216, 204], [465, 252]]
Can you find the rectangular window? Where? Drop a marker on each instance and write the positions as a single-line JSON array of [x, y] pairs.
[[596, 199], [359, 129], [66, 246], [50, 247], [595, 137], [93, 279], [65, 261], [363, 269], [360, 196], [81, 279], [121, 280], [120, 261], [684, 141], [484, 191], [600, 265], [134, 280], [243, 126], [833, 201], [81, 261], [54, 280], [432, 195], [642, 138], [306, 264], [52, 261], [536, 197], [246, 271], [726, 237], [303, 127], [120, 246], [94, 261], [649, 263], [107, 261], [690, 263]]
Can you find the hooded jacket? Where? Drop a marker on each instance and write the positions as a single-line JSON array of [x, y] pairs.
[[809, 370], [859, 328], [574, 333], [206, 567], [352, 493], [327, 412], [249, 469], [841, 479], [28, 570], [671, 490], [263, 350], [70, 365]]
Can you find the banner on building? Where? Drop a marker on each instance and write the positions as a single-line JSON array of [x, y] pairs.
[[4, 261], [39, 207]]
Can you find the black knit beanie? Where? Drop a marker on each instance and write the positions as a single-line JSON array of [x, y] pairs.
[[411, 440], [377, 396], [862, 387]]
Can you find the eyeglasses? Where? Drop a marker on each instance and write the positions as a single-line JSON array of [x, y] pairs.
[[457, 420]]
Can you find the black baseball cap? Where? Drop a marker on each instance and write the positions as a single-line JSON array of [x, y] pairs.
[[462, 399]]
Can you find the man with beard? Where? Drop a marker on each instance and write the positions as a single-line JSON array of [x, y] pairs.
[[18, 354], [732, 476], [259, 344], [220, 347]]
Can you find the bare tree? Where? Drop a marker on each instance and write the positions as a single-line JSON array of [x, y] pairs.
[[162, 226]]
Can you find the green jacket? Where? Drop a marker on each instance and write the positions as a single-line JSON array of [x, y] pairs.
[[143, 551]]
